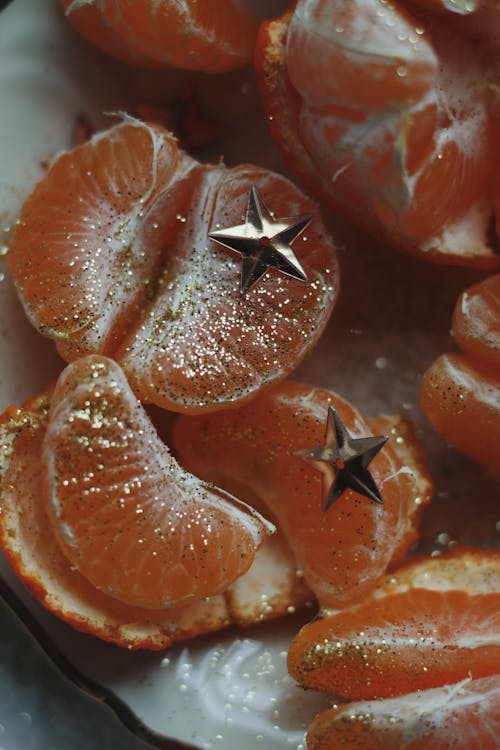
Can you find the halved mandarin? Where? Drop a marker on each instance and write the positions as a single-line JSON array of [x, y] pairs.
[[435, 625], [341, 553], [265, 591], [212, 36], [465, 715], [399, 140], [112, 256], [460, 393]]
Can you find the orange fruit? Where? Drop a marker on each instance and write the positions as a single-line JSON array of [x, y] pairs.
[[341, 553], [112, 256], [476, 321], [212, 36], [462, 400], [124, 513], [463, 715], [399, 140], [437, 625], [267, 590], [460, 393]]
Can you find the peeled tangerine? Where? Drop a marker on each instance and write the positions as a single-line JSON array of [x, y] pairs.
[[112, 256], [212, 36], [107, 530], [401, 138], [460, 393], [341, 553], [418, 661]]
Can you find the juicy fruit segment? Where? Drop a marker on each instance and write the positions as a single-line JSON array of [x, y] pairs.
[[465, 714], [341, 553], [212, 36], [399, 643], [124, 513], [400, 139], [476, 321], [112, 256], [462, 400], [30, 547], [460, 393], [432, 622]]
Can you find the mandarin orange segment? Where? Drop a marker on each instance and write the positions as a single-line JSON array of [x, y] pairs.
[[135, 524], [400, 141], [465, 715], [400, 643], [78, 264], [476, 321], [430, 622], [461, 397], [344, 552], [265, 591], [211, 36], [112, 256]]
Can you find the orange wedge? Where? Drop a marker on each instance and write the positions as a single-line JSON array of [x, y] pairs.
[[460, 393], [211, 36], [344, 552], [437, 624]]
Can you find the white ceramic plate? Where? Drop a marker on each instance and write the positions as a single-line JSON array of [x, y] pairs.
[[230, 689]]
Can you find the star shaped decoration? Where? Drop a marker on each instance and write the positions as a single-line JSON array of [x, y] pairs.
[[264, 242], [343, 461]]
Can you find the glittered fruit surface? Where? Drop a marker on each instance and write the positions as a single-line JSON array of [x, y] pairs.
[[63, 534], [437, 696], [464, 715], [343, 552], [460, 392], [112, 256], [211, 36], [401, 138]]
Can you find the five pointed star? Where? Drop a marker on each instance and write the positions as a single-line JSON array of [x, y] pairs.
[[263, 242], [343, 461]]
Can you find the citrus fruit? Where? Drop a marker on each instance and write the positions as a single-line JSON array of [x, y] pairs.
[[436, 626], [112, 256], [341, 553], [476, 321], [211, 36], [462, 715], [460, 393], [400, 139], [123, 512], [267, 590]]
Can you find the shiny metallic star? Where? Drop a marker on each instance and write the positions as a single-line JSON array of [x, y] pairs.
[[343, 461], [263, 242]]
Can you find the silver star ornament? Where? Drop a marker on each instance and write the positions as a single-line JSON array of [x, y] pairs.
[[263, 242], [343, 461]]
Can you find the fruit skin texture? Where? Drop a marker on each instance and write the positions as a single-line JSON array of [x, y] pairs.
[[212, 36], [462, 715], [344, 552], [460, 393], [375, 141], [112, 256]]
